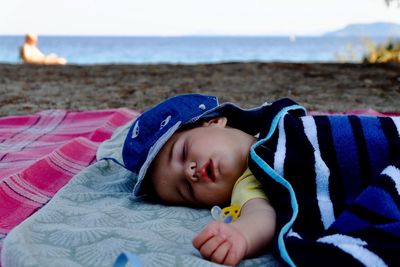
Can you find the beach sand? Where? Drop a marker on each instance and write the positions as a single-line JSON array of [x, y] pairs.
[[26, 89]]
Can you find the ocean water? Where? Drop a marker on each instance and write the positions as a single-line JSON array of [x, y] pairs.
[[191, 50]]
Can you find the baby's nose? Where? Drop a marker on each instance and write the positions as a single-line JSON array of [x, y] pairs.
[[190, 171]]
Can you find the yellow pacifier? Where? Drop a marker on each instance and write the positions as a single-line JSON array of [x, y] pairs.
[[226, 215]]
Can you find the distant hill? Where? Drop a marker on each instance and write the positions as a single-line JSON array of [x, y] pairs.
[[368, 30]]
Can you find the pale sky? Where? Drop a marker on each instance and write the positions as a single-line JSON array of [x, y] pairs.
[[188, 17]]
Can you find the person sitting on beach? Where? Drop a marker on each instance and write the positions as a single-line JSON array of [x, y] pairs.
[[317, 189], [31, 54]]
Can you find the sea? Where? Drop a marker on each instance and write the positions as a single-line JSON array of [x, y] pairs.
[[88, 50]]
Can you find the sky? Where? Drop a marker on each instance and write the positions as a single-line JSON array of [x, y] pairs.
[[189, 17]]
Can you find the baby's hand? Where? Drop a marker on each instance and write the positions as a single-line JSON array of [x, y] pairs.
[[222, 243]]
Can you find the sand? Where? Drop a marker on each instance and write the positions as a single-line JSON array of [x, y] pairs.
[[26, 89]]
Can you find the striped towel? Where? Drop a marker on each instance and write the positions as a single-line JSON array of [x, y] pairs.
[[40, 153], [335, 183]]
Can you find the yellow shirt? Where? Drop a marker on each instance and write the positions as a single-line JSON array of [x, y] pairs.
[[247, 187]]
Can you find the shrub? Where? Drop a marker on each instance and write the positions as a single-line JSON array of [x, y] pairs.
[[382, 53]]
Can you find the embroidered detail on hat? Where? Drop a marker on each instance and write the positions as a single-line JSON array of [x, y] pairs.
[[165, 122], [202, 106], [135, 131]]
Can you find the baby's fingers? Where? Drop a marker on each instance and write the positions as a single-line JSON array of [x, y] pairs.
[[221, 253], [209, 232], [210, 247]]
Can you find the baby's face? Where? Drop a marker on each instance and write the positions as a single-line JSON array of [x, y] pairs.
[[199, 166]]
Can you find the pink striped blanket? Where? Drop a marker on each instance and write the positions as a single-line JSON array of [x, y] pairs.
[[40, 153]]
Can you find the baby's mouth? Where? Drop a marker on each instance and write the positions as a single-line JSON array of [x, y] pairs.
[[210, 170], [207, 171]]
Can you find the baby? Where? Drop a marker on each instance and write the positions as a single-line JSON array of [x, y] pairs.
[[332, 180], [200, 167]]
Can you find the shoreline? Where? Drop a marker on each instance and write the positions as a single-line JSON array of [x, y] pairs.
[[26, 89]]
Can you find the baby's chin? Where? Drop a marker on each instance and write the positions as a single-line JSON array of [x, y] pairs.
[[225, 177]]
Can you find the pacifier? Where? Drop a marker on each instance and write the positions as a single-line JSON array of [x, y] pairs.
[[226, 215]]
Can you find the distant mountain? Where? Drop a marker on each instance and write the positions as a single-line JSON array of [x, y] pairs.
[[368, 30]]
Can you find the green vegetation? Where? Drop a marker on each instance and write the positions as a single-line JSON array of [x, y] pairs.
[[387, 52]]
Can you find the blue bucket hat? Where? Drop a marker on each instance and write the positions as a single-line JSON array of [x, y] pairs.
[[152, 129]]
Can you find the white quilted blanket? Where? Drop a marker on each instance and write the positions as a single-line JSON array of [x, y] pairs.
[[93, 219]]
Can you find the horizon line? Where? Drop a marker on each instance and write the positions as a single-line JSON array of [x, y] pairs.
[[291, 36]]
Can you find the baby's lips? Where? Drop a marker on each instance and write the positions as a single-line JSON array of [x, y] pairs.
[[207, 172], [212, 171]]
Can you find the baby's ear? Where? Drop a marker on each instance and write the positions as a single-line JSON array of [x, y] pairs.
[[218, 121]]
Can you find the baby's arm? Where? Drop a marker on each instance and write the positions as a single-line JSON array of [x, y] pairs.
[[248, 236]]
